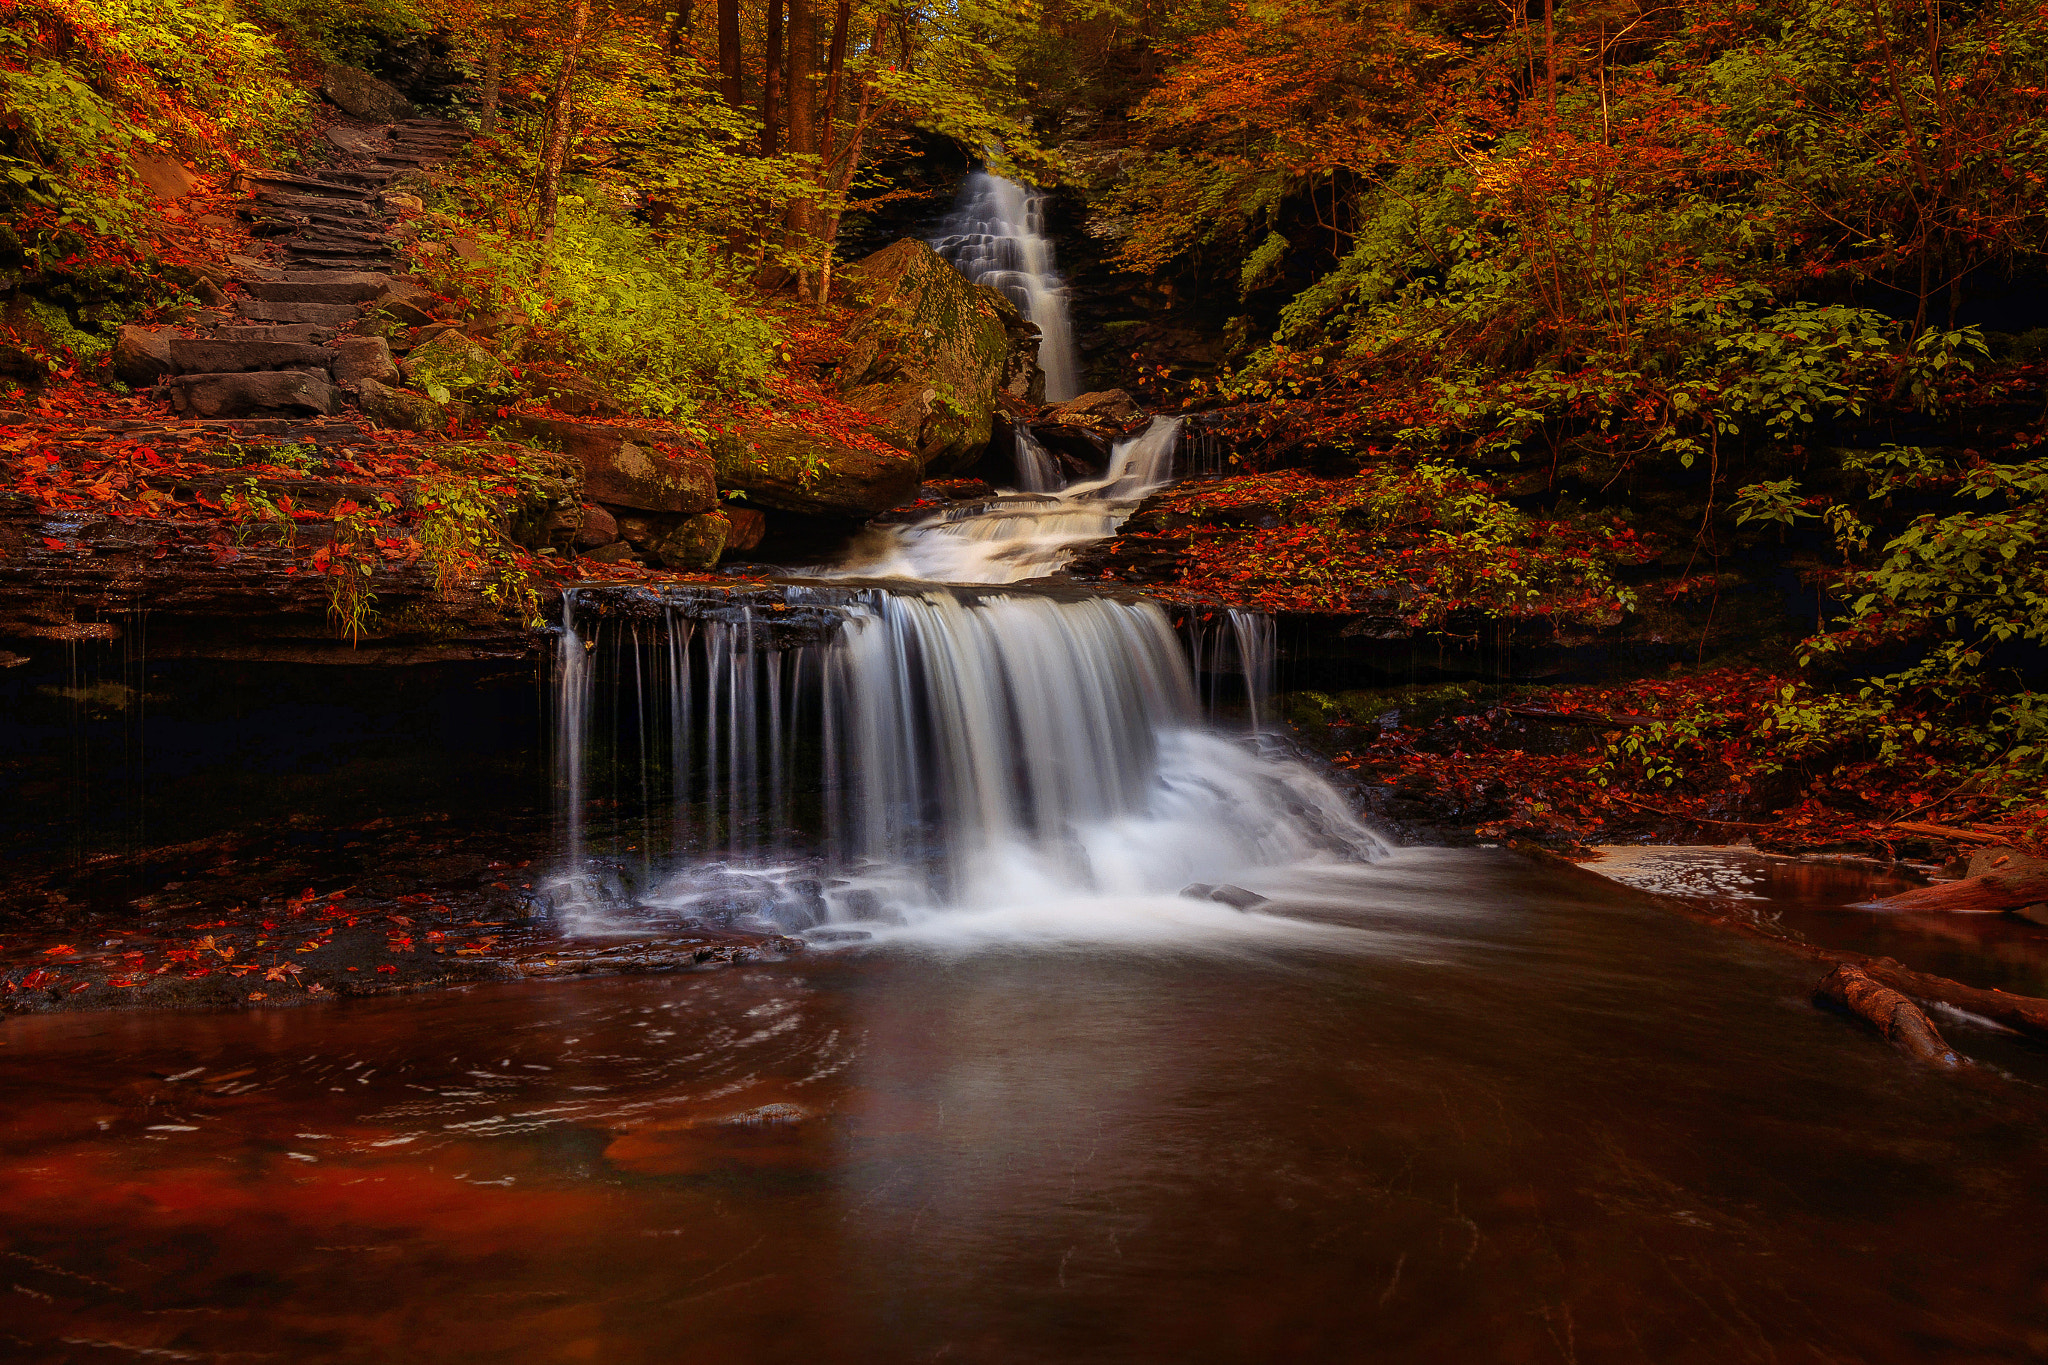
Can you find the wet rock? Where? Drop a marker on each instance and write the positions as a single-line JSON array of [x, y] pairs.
[[451, 361], [696, 544], [359, 93], [265, 391], [359, 358], [600, 528], [400, 409], [222, 355], [744, 528], [1236, 897], [1108, 410], [142, 355], [621, 469]]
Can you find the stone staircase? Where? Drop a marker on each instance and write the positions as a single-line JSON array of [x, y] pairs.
[[281, 349]]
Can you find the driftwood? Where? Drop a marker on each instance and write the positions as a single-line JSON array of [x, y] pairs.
[[1983, 895], [1901, 1022], [1959, 835]]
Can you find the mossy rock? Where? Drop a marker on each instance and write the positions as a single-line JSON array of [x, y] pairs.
[[931, 354], [451, 361]]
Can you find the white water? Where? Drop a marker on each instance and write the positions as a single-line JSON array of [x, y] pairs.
[[975, 752], [1025, 535], [996, 236]]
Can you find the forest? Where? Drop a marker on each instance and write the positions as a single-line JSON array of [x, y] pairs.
[[1672, 326], [1023, 680]]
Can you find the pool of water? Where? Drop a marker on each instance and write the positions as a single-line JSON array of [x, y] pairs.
[[1452, 1107]]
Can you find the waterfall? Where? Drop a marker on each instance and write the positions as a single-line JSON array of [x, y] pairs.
[[1037, 471], [1021, 537], [911, 752], [996, 236]]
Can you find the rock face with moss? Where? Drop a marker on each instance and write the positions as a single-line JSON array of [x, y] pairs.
[[931, 357], [932, 353]]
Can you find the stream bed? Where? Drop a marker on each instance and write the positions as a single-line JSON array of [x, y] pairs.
[[1451, 1106]]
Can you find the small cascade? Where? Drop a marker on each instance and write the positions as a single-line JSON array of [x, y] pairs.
[[996, 236], [1024, 536], [1234, 645], [1037, 470], [840, 755]]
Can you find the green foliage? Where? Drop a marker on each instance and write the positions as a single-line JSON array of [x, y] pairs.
[[654, 317], [349, 31]]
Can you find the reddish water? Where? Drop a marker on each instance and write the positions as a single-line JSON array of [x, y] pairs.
[[1461, 1108]]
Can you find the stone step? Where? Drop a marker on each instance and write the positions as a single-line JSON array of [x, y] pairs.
[[318, 314], [339, 287], [302, 332], [323, 227], [261, 391], [328, 249], [313, 204], [306, 184], [226, 355]]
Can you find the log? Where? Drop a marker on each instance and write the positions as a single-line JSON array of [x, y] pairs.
[[2020, 1013], [1952, 832], [1985, 895], [1901, 1022]]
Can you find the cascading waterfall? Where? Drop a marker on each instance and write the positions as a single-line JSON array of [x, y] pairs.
[[1025, 536], [996, 236], [937, 749], [1037, 470]]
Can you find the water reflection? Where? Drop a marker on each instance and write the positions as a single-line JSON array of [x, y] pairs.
[[1534, 1119]]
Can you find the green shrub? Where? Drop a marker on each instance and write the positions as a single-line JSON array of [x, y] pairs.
[[653, 318]]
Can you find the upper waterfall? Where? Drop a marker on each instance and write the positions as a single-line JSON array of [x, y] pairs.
[[996, 236]]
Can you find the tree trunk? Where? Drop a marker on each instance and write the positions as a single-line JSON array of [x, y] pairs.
[[559, 121], [1984, 895], [834, 65], [494, 81], [803, 70], [771, 81], [729, 51], [1550, 61]]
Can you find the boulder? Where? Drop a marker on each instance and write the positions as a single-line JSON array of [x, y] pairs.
[[359, 358], [696, 544], [795, 469], [401, 409], [600, 527], [142, 355], [621, 467], [931, 354], [359, 93], [1110, 410], [744, 528], [225, 355], [264, 391], [451, 361]]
